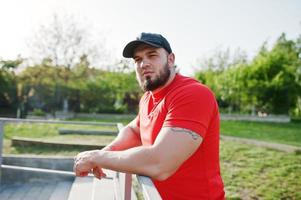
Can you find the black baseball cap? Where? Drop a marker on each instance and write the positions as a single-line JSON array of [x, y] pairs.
[[152, 39]]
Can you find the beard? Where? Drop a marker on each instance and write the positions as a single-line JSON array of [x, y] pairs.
[[159, 80]]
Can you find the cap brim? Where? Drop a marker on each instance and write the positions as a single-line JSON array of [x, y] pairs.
[[129, 49]]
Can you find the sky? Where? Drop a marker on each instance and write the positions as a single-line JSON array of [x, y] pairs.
[[194, 28]]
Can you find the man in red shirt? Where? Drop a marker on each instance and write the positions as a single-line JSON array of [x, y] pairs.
[[175, 137]]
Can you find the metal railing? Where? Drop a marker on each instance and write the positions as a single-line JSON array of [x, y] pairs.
[[122, 188], [148, 188], [1, 145], [4, 121]]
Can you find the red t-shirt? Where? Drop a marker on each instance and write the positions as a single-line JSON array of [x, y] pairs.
[[186, 103]]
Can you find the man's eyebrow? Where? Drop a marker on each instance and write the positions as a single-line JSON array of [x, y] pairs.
[[152, 51], [148, 52], [135, 57]]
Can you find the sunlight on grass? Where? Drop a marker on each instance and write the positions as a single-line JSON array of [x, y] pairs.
[[47, 130], [285, 133], [251, 172]]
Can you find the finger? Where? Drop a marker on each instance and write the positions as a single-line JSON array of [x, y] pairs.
[[96, 173], [99, 173], [82, 174], [79, 172], [103, 175], [74, 168]]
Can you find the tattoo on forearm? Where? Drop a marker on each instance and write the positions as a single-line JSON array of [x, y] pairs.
[[183, 130]]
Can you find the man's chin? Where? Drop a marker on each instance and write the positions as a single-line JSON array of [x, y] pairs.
[[147, 78], [146, 84]]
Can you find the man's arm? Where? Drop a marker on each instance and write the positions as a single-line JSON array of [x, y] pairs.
[[172, 147], [128, 137]]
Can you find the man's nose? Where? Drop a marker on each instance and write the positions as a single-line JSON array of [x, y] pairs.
[[144, 64]]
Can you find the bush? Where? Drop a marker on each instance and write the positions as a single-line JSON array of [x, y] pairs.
[[296, 119], [38, 112]]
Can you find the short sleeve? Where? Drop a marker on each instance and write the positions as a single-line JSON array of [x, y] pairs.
[[191, 107]]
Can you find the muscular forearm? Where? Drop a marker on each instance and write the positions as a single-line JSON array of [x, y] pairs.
[[159, 161], [126, 139], [139, 160]]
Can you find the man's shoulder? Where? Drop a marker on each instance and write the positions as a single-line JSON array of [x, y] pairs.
[[190, 85]]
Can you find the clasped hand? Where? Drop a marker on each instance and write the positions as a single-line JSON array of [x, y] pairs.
[[84, 164]]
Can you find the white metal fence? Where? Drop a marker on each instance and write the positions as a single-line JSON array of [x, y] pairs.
[[122, 186]]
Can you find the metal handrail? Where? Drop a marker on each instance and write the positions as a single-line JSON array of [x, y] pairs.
[[14, 120], [1, 145], [127, 190], [148, 188], [3, 121]]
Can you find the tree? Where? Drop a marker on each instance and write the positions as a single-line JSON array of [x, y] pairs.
[[221, 60], [64, 41], [297, 110], [10, 98], [219, 73], [269, 83], [110, 92], [272, 77]]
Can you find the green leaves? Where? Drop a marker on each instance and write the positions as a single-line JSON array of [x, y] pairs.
[[270, 82]]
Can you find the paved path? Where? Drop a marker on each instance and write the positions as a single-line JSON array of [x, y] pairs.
[[29, 191], [270, 145]]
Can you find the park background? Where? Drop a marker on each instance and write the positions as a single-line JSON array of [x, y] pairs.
[[60, 59]]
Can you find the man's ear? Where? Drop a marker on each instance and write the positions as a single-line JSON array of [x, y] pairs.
[[171, 59]]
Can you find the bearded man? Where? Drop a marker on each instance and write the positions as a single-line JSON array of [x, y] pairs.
[[175, 137]]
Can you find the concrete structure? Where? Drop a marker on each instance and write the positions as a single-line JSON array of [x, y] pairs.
[[86, 132], [268, 118], [51, 178]]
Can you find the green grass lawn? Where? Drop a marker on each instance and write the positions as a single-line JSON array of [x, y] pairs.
[[28, 150], [50, 133], [46, 130], [248, 172], [251, 172], [285, 133], [124, 119]]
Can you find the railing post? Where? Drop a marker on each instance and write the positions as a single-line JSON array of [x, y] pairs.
[[128, 186], [1, 146], [127, 190], [117, 190], [148, 188]]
